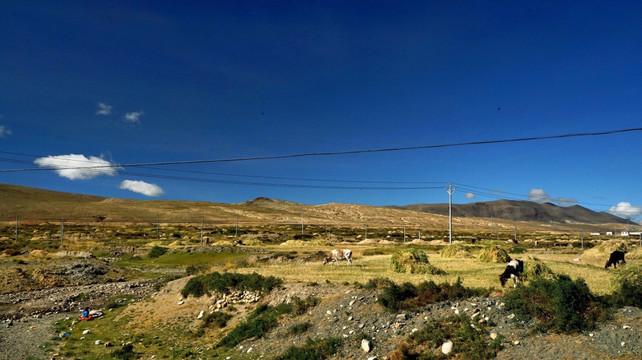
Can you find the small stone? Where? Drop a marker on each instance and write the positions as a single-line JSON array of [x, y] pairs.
[[181, 302], [365, 345], [510, 316], [447, 347], [97, 342], [200, 315], [516, 342], [373, 358], [86, 332], [349, 318], [591, 334], [622, 343], [329, 312], [401, 317], [626, 327], [493, 335]]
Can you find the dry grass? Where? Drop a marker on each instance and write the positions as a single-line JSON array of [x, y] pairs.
[[494, 254], [455, 251]]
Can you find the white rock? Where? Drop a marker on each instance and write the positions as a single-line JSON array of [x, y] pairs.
[[493, 335], [181, 302], [365, 345], [200, 315], [97, 342], [623, 343], [626, 327], [373, 358], [86, 332], [510, 316], [447, 347], [516, 342]]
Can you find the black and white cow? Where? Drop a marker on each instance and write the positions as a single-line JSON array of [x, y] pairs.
[[514, 270], [616, 258], [336, 255]]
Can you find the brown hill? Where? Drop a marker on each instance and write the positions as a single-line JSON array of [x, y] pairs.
[[522, 211]]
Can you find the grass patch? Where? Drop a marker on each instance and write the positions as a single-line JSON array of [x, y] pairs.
[[260, 321], [469, 341], [125, 353], [223, 283], [301, 306], [561, 305], [312, 350], [413, 261], [408, 296]]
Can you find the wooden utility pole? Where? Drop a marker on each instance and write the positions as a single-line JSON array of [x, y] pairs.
[[202, 220], [62, 230], [450, 191], [16, 228]]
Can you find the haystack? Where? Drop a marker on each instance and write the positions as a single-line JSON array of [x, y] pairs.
[[631, 273], [535, 268], [306, 243], [413, 261], [494, 254], [455, 251], [605, 249]]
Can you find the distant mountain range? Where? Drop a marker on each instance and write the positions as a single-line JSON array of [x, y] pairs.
[[521, 211]]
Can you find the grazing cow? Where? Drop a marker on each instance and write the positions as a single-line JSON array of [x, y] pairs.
[[336, 255], [616, 257], [514, 270]]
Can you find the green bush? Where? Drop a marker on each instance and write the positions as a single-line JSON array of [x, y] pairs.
[[377, 283], [218, 319], [413, 261], [409, 296], [260, 321], [560, 305], [469, 342], [312, 350], [124, 353], [300, 307], [195, 269], [157, 251], [223, 283], [299, 328]]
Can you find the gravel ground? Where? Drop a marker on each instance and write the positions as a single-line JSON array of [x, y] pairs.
[[27, 337]]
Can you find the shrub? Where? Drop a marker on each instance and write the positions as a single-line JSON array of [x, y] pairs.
[[260, 321], [377, 283], [409, 296], [124, 353], [455, 251], [299, 328], [469, 342], [223, 283], [157, 251], [299, 307], [494, 254], [312, 350], [218, 319], [413, 261], [195, 269], [559, 305], [626, 284]]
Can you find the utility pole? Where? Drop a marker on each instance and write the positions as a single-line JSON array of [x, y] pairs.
[[450, 191], [62, 230], [16, 228], [582, 238], [301, 222], [158, 225], [419, 225], [491, 227], [202, 231], [366, 225], [237, 226], [404, 234], [515, 232]]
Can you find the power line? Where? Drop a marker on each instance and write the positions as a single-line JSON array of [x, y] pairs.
[[334, 153]]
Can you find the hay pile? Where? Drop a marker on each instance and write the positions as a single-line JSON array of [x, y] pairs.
[[535, 268], [494, 254], [605, 249], [455, 251], [413, 262], [630, 273], [306, 243]]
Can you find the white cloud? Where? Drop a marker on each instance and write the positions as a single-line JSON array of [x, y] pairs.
[[104, 109], [538, 195], [470, 195], [565, 202], [4, 131], [77, 167], [133, 117], [142, 187], [626, 210]]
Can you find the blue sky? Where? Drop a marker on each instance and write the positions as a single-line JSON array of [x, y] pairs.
[[94, 83]]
